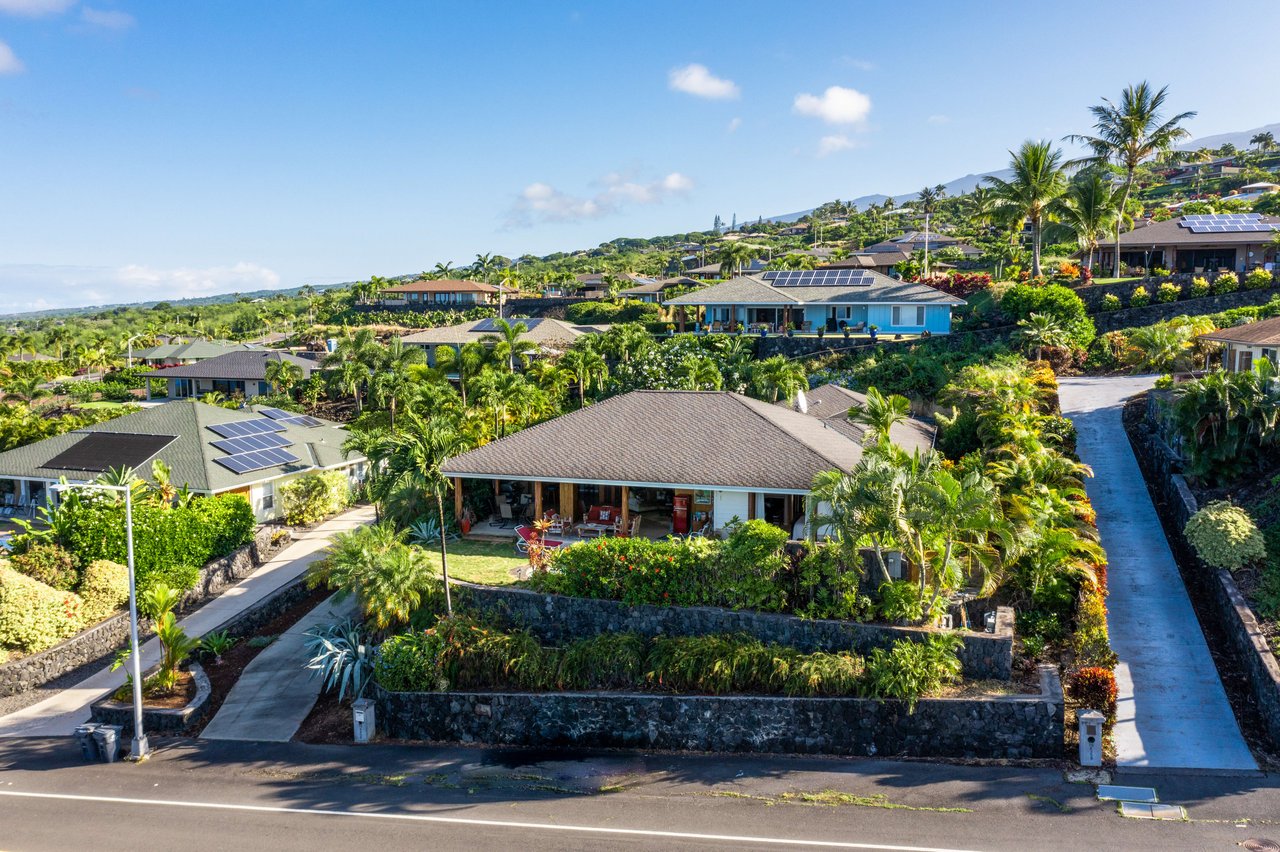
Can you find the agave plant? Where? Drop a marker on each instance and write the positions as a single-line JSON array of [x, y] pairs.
[[341, 655]]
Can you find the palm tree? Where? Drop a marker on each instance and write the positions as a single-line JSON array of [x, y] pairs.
[[1129, 133], [509, 344], [779, 376], [698, 372], [880, 414], [25, 388], [442, 270], [1041, 330], [1037, 180], [733, 257], [1264, 141], [283, 375], [467, 361], [393, 379], [588, 368], [1088, 209]]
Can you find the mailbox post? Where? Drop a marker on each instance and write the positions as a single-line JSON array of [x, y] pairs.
[[362, 718], [1090, 722]]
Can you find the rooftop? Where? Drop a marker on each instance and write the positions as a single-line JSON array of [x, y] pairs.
[[1261, 333], [446, 285], [831, 403], [540, 331], [1180, 231], [247, 365], [865, 287]]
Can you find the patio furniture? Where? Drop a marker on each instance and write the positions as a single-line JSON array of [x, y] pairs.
[[599, 520], [526, 536], [634, 531], [559, 525], [504, 513]]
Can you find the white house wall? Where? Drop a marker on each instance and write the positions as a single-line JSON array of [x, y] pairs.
[[727, 505]]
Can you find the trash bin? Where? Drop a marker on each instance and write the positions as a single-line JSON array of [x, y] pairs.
[[107, 738], [88, 745]]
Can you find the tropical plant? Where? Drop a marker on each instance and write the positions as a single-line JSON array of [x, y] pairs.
[[509, 344], [1038, 180], [880, 414], [588, 368], [341, 656], [909, 670], [1088, 209], [1224, 536], [1036, 331], [780, 377], [217, 644]]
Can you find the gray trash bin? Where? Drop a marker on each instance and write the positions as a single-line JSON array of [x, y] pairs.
[[88, 745], [107, 738]]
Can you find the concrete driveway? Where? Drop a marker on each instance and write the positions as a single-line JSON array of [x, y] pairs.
[[1173, 712]]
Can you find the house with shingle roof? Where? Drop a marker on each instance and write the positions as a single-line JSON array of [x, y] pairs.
[[681, 459], [176, 352], [242, 374], [1245, 345], [432, 294], [1199, 244], [551, 335], [831, 403], [208, 449], [827, 299]]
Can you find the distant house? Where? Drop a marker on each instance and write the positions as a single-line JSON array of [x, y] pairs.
[[915, 240], [654, 291], [795, 230], [883, 262], [595, 285], [443, 293], [1244, 345], [1198, 244], [193, 351], [29, 357], [551, 335], [830, 299], [209, 449], [1185, 173], [242, 374], [711, 271]]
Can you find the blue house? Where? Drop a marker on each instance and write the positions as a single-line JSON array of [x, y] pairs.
[[813, 299]]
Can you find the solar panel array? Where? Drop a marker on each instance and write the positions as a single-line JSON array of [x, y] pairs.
[[1227, 223], [256, 460], [489, 324], [819, 278], [249, 443], [279, 415], [241, 428]]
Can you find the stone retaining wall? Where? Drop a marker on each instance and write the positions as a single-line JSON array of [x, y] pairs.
[[1006, 727], [104, 638], [1231, 611], [156, 720], [1151, 314], [559, 618]]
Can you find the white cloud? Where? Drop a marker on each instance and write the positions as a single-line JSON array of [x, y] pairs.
[[939, 119], [541, 202], [860, 64], [33, 287], [828, 145], [109, 19], [9, 62], [734, 125], [696, 80], [837, 105], [35, 8]]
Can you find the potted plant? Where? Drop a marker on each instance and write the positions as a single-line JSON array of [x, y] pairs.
[[872, 330]]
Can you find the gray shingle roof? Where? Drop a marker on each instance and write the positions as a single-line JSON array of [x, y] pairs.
[[1170, 232], [195, 350], [1261, 333], [754, 290], [831, 403], [249, 365], [674, 438], [543, 332], [190, 456]]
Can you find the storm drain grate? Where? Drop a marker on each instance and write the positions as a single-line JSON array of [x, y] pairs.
[[1113, 793], [1146, 810]]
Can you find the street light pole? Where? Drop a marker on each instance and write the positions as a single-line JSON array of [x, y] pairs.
[[140, 749]]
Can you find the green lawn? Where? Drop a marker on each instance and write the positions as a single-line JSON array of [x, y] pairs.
[[99, 404], [1098, 281], [486, 562]]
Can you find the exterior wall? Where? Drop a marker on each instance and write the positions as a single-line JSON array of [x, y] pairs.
[[727, 505], [1240, 357]]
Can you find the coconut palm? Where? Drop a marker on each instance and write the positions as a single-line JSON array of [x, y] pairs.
[[509, 344], [283, 375], [733, 257], [880, 414], [1040, 330], [1088, 209], [779, 376], [587, 367], [1038, 179], [1264, 141], [1129, 133]]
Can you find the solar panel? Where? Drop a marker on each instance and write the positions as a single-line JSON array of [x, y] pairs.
[[107, 450], [241, 428], [1227, 223], [302, 420], [490, 325], [275, 413], [819, 278], [248, 443], [256, 460]]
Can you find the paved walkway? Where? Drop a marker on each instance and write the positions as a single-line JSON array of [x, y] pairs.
[[1173, 712], [60, 713], [275, 693]]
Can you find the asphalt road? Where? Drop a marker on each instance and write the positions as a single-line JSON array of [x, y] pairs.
[[196, 795]]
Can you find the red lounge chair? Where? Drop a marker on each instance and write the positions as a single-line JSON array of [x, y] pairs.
[[525, 535]]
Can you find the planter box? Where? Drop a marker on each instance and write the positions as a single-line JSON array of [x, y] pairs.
[[157, 720], [1007, 727]]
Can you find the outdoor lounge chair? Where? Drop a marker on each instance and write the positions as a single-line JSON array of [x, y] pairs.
[[504, 511], [525, 535]]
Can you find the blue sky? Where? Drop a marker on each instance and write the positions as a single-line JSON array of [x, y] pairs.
[[167, 149]]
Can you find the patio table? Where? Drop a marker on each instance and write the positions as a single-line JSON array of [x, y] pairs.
[[597, 529]]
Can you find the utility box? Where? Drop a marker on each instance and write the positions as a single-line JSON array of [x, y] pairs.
[[362, 719], [1090, 722]]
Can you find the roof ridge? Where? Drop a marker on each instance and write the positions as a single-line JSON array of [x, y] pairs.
[[760, 412]]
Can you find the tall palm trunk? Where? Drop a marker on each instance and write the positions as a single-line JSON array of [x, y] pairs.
[[1128, 186], [444, 555]]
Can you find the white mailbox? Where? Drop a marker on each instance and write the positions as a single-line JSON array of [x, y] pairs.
[[362, 718], [1090, 737]]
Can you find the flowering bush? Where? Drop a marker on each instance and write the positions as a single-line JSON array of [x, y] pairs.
[[635, 571], [1168, 292], [1258, 279], [1224, 536], [959, 284], [34, 616], [1227, 282], [1139, 298], [1094, 688], [1110, 302], [1199, 287], [105, 589]]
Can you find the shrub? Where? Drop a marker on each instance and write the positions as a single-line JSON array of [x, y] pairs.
[[1139, 298], [636, 571], [607, 661], [477, 656], [34, 616], [1224, 536], [1258, 279], [1066, 269], [751, 562], [1168, 292], [910, 669], [313, 497], [390, 579], [1094, 688], [104, 589], [1227, 282], [409, 662], [827, 589], [1199, 287], [1091, 640], [1110, 302], [821, 673], [50, 564], [1160, 272], [1062, 303], [341, 656]]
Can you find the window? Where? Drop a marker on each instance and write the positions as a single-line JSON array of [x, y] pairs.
[[904, 314], [268, 496]]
